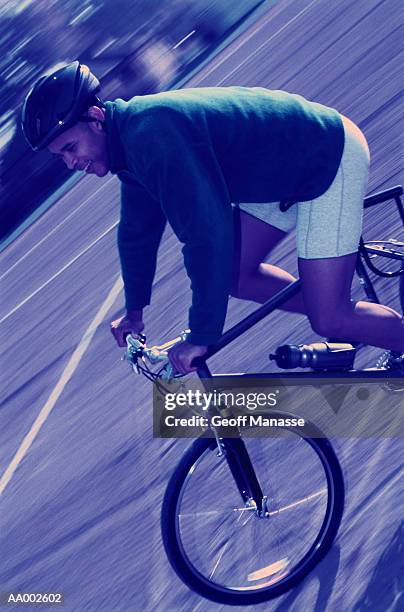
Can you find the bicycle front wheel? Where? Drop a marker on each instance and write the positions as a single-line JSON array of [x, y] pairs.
[[217, 543]]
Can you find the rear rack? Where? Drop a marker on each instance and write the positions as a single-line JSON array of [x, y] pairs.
[[391, 249], [394, 193]]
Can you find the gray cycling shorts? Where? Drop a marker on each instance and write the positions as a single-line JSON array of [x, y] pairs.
[[331, 225]]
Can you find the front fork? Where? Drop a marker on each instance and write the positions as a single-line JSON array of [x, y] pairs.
[[244, 475], [239, 462]]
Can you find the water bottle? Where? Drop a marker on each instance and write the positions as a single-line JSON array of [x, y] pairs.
[[318, 356]]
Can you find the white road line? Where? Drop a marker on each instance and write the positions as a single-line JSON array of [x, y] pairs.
[[60, 385], [54, 229], [8, 315]]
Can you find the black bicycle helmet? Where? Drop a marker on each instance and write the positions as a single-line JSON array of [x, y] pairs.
[[56, 102]]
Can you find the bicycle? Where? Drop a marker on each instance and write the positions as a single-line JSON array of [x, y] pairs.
[[245, 520]]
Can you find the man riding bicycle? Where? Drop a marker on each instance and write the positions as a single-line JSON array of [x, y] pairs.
[[196, 157]]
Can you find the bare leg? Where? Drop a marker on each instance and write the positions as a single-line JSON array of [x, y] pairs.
[[257, 281], [326, 288]]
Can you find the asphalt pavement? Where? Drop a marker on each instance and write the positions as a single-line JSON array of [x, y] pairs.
[[81, 477]]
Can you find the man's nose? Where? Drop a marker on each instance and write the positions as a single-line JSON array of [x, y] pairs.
[[69, 161]]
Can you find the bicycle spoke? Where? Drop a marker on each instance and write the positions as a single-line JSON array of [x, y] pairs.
[[305, 500], [226, 545]]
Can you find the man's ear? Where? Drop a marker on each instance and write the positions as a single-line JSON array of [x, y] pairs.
[[97, 113]]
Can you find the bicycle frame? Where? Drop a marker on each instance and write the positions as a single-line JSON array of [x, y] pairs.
[[234, 449]]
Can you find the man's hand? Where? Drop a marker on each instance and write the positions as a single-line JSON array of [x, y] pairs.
[[126, 325], [182, 354]]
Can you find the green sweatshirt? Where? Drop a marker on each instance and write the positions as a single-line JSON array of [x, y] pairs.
[[184, 156]]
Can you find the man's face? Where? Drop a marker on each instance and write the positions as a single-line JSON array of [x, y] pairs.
[[83, 147]]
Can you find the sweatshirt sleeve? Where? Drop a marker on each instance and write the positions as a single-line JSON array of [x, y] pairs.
[[179, 168], [139, 233]]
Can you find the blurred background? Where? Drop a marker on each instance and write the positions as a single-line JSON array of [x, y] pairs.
[[81, 513], [134, 46]]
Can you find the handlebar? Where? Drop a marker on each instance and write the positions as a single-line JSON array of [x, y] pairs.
[[139, 355]]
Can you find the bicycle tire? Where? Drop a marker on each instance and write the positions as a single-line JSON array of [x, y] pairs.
[[210, 590]]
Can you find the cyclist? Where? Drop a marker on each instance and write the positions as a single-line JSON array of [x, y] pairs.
[[185, 156]]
